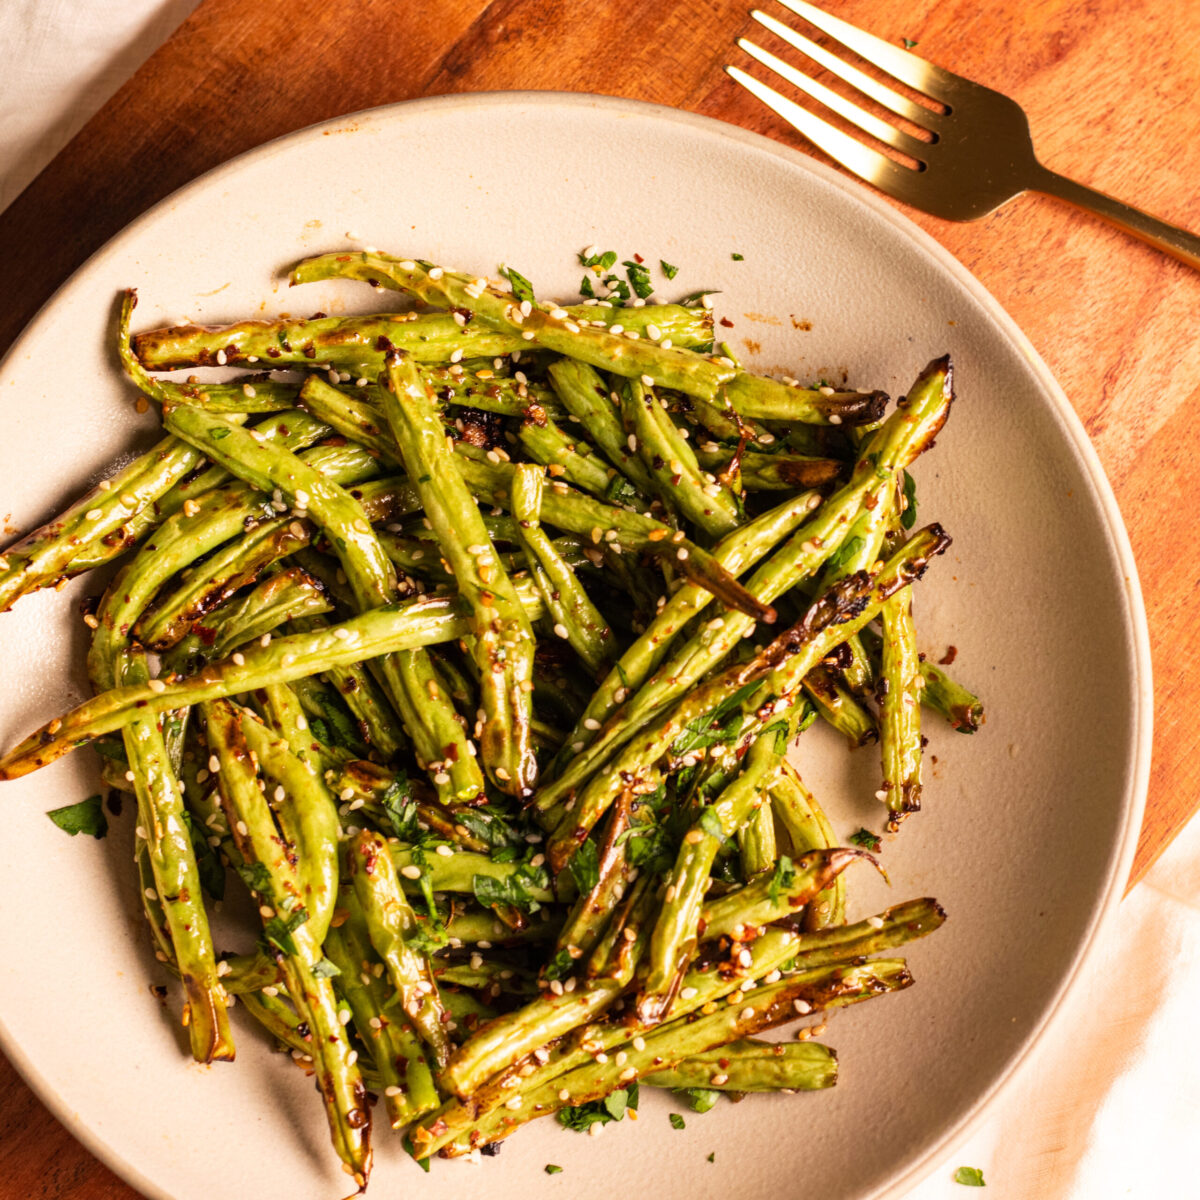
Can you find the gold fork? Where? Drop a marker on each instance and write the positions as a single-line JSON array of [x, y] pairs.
[[980, 154]]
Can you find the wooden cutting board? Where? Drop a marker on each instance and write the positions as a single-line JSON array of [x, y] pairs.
[[1110, 90]]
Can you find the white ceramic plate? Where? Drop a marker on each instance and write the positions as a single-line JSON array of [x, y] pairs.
[[1028, 827]]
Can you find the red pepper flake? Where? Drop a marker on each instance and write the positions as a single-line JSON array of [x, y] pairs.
[[950, 655]]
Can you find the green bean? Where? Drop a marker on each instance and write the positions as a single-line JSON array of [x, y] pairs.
[[574, 615], [556, 329], [354, 342], [502, 637], [586, 397], [671, 462], [761, 472], [571, 458], [404, 1076], [840, 707], [298, 919], [390, 922], [768, 898], [676, 931], [808, 828], [753, 1066], [164, 840]]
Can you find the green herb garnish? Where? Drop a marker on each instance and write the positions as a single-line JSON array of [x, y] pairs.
[[85, 817]]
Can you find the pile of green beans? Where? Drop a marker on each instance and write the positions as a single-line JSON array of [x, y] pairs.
[[476, 649]]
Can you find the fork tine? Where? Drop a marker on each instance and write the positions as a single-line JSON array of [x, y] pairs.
[[902, 106], [908, 68], [867, 122], [866, 163]]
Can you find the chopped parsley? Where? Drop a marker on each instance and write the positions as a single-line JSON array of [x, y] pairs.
[[780, 731], [969, 1176], [553, 1169], [514, 889], [277, 932], [711, 824], [256, 877], [522, 289], [85, 817], [423, 1163], [908, 45], [324, 969], [867, 840], [738, 257], [670, 270], [585, 867], [720, 724], [908, 518], [604, 261], [782, 880], [701, 1099], [712, 1157], [677, 1122], [401, 808], [639, 278], [612, 1108]]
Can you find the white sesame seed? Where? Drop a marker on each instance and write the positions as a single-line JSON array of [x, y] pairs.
[[222, 358], [718, 1079], [239, 659], [156, 685], [875, 922], [445, 851], [556, 987], [834, 419], [595, 1130], [242, 828], [688, 993], [558, 314], [648, 380], [412, 871], [802, 1006]]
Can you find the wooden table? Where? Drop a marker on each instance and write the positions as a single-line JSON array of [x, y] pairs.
[[1110, 87]]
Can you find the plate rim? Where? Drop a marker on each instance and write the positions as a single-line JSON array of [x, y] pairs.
[[1137, 629]]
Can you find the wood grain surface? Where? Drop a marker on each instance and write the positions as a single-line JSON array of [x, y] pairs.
[[1110, 87]]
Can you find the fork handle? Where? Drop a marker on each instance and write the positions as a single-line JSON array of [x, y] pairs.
[[1169, 238]]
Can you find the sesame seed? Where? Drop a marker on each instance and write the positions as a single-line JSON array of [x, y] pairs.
[[242, 828], [681, 553], [392, 1089], [556, 987], [628, 1074], [94, 514], [513, 1102], [648, 380], [151, 894], [688, 993], [222, 358], [875, 922], [156, 685], [214, 764], [436, 272], [595, 1130], [444, 851], [834, 419], [564, 1095], [718, 1079], [558, 314], [802, 1006], [412, 871]]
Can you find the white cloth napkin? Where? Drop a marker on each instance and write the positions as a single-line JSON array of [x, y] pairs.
[[1111, 1102]]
